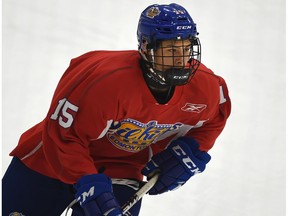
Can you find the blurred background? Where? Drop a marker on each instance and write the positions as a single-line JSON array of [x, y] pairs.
[[242, 41]]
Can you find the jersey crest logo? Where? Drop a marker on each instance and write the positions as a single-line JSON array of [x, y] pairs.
[[197, 108], [133, 136]]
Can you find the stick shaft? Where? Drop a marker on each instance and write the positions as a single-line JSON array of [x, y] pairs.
[[140, 193]]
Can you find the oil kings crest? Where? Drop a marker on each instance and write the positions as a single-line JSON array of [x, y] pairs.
[[133, 136]]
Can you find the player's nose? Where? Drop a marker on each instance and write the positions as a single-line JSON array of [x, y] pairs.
[[179, 58], [179, 61]]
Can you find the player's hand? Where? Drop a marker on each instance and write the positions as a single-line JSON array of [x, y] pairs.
[[181, 160], [95, 196]]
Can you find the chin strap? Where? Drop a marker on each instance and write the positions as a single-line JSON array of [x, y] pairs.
[[150, 75]]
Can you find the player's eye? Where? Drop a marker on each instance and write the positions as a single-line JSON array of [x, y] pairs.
[[187, 48], [172, 50]]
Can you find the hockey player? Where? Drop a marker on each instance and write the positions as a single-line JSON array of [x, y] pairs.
[[116, 116]]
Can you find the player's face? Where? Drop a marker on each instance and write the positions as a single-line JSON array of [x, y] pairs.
[[172, 53]]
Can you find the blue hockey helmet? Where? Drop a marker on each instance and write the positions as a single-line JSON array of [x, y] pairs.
[[167, 22]]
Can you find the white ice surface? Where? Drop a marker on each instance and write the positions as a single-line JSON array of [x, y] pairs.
[[243, 41]]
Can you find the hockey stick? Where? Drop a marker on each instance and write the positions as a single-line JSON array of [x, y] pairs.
[[139, 194], [133, 200]]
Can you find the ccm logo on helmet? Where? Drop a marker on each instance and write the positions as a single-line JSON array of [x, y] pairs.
[[184, 27]]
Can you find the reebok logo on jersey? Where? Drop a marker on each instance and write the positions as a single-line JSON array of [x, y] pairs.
[[197, 108]]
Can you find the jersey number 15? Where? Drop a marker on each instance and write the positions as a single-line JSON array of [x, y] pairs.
[[61, 113]]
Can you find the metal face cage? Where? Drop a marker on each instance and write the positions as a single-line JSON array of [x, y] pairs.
[[174, 62]]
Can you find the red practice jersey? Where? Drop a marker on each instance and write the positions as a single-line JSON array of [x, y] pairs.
[[103, 115]]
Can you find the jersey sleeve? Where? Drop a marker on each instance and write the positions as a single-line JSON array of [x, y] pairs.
[[79, 113], [66, 139], [208, 133]]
